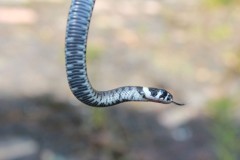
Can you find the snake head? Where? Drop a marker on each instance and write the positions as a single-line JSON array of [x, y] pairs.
[[158, 96]]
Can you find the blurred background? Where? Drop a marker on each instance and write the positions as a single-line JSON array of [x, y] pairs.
[[191, 48]]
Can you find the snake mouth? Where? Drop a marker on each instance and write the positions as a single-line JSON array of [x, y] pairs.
[[166, 102]]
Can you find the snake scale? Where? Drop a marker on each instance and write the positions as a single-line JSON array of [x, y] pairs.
[[75, 53]]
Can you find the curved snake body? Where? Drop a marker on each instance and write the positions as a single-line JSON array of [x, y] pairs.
[[75, 52]]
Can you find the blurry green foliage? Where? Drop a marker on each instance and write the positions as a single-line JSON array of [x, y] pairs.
[[224, 130], [94, 51], [99, 118], [217, 3], [220, 32]]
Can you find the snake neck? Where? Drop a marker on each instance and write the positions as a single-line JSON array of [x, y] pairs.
[[76, 43], [113, 97]]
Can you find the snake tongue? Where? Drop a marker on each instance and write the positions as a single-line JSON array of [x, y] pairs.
[[179, 104]]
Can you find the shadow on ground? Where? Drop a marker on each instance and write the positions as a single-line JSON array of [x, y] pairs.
[[43, 128]]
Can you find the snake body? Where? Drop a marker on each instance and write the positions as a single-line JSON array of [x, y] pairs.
[[75, 53]]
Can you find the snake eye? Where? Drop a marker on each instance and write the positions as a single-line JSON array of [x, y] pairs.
[[169, 98], [166, 97]]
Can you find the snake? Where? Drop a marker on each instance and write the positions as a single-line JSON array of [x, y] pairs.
[[78, 23]]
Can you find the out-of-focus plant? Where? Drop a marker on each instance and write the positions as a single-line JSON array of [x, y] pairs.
[[217, 3], [99, 118], [94, 51], [224, 130], [221, 32]]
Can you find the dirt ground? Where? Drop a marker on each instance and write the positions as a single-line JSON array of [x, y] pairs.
[[191, 48]]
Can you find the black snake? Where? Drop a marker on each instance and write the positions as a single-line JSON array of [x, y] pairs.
[[76, 43]]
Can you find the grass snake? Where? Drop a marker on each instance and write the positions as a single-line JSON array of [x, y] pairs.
[[75, 53]]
